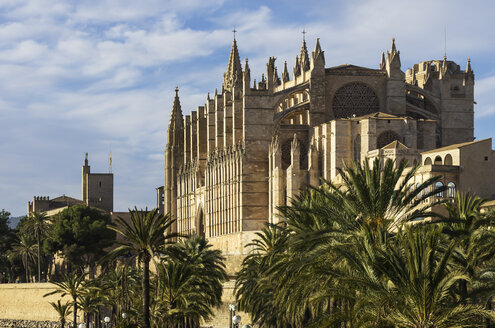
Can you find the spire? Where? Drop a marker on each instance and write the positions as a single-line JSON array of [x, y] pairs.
[[297, 67], [176, 116], [468, 66], [393, 49], [318, 47], [285, 73], [304, 57], [317, 56], [233, 74], [393, 57], [382, 62]]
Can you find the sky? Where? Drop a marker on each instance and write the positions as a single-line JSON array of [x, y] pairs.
[[98, 76]]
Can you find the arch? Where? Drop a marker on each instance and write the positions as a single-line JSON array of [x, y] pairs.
[[438, 160], [427, 161], [447, 160], [292, 100], [451, 190], [200, 223], [439, 185], [385, 138], [354, 99], [357, 149]]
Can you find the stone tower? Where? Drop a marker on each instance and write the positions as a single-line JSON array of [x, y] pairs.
[[97, 188]]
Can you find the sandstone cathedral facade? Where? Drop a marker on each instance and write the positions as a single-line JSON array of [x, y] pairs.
[[253, 145]]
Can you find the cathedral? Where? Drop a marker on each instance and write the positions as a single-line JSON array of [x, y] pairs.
[[253, 145]]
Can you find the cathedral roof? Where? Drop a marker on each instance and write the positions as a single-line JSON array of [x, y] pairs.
[[455, 146], [352, 69], [395, 145]]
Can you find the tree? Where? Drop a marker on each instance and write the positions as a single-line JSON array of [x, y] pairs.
[[329, 239], [81, 234], [37, 225], [144, 235], [189, 282], [72, 284], [7, 238], [25, 248], [63, 311]]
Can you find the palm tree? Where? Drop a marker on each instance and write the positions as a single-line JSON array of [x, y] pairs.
[[25, 248], [190, 276], [474, 232], [72, 284], [63, 311], [415, 282], [144, 235], [37, 225]]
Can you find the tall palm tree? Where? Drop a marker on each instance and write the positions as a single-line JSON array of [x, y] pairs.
[[25, 248], [190, 276], [37, 224], [63, 311], [144, 235], [72, 284]]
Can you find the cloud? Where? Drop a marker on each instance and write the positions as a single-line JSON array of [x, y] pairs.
[[96, 76]]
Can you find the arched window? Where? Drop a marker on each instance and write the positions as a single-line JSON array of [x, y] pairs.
[[439, 185], [385, 138], [438, 161], [355, 99], [451, 190], [448, 160], [417, 187], [427, 161], [357, 149]]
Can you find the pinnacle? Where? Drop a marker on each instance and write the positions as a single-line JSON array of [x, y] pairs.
[[176, 115], [234, 70], [304, 57]]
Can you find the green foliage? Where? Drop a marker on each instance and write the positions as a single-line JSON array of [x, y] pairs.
[[80, 233], [188, 283], [7, 239], [36, 225], [72, 284], [144, 236], [359, 255], [63, 311]]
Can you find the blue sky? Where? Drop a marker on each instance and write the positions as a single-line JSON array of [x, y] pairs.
[[98, 75]]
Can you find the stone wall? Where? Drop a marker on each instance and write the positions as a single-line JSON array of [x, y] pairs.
[[26, 302], [9, 323]]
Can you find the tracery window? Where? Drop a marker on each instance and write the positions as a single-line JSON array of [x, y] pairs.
[[355, 99], [385, 138], [303, 153]]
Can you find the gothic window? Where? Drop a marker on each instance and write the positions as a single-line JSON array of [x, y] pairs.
[[357, 149], [385, 138], [355, 99], [303, 155]]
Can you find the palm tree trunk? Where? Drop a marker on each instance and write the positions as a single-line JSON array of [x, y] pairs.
[[39, 257], [146, 292], [75, 311], [26, 269]]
